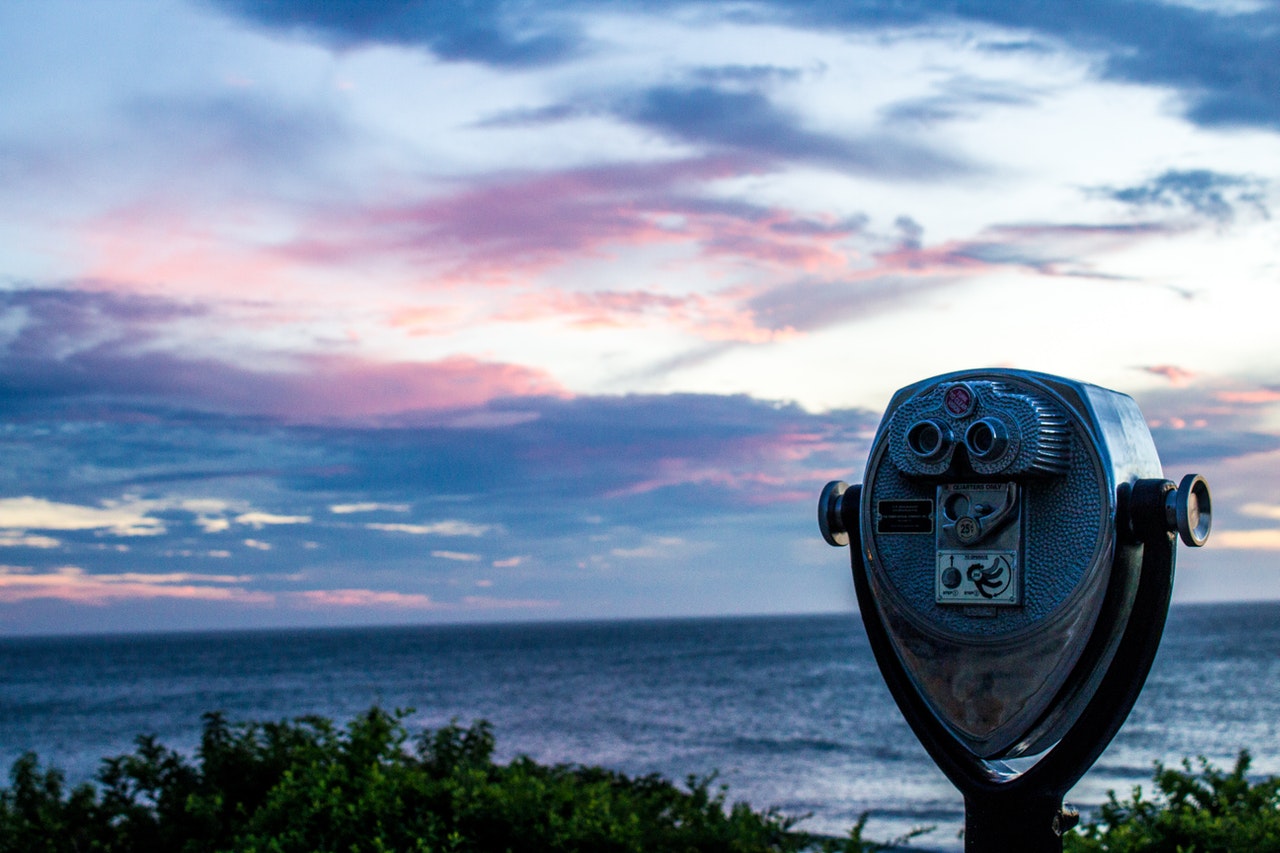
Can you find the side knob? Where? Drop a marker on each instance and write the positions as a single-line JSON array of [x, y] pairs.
[[1190, 510], [830, 520]]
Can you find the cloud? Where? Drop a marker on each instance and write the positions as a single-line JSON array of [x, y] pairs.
[[959, 97], [73, 584], [1051, 249], [257, 520], [534, 117], [93, 349], [124, 519], [365, 598], [1177, 376], [1207, 420], [1260, 510], [59, 322], [456, 556], [507, 228], [1219, 60], [750, 123], [439, 528], [485, 602], [367, 506], [1221, 64], [811, 304], [1250, 397], [492, 32], [369, 598], [18, 539], [1212, 195], [1253, 540]]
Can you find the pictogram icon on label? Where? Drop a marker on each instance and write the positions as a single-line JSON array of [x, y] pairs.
[[977, 577]]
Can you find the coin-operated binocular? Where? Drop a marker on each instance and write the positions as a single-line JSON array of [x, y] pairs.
[[1013, 548]]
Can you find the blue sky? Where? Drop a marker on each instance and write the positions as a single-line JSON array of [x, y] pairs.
[[346, 313]]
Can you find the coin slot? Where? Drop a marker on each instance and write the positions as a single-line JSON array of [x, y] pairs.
[[956, 506]]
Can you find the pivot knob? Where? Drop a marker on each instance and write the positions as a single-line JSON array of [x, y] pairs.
[[1189, 510], [830, 508]]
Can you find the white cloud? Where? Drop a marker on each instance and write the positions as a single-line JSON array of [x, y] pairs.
[[634, 553], [439, 528], [345, 509], [456, 555], [126, 518], [19, 539], [257, 545], [1253, 540], [365, 598], [258, 520], [1259, 510]]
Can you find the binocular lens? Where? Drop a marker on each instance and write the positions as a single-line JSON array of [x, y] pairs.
[[929, 440], [986, 439]]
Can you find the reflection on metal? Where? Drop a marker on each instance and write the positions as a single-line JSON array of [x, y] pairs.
[[1013, 554]]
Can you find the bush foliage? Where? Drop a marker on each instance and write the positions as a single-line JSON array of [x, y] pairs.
[[1194, 811], [308, 786]]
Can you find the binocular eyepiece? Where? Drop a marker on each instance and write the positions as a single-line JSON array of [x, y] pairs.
[[986, 440]]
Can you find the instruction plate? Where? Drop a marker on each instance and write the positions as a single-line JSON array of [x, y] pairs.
[[978, 577]]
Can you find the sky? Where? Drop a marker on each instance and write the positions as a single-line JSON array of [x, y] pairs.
[[353, 313]]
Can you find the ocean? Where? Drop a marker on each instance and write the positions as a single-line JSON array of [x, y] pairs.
[[789, 711]]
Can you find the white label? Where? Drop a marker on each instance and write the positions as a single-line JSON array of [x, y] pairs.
[[977, 577]]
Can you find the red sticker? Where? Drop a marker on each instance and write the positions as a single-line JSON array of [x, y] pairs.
[[959, 400]]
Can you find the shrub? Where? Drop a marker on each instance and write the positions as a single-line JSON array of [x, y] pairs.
[[308, 786], [1194, 811]]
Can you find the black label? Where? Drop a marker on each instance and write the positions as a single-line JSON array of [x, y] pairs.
[[904, 524], [904, 516], [890, 507]]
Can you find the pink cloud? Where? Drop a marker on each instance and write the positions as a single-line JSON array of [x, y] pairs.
[[318, 388], [1177, 376], [349, 388], [365, 598], [158, 245], [1257, 397], [519, 225], [411, 601], [74, 585]]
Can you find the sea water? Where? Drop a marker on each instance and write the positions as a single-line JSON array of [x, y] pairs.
[[789, 711]]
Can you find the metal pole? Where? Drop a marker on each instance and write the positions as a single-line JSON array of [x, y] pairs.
[[1024, 823]]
